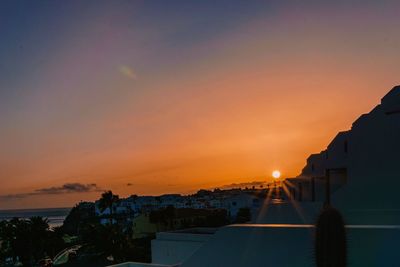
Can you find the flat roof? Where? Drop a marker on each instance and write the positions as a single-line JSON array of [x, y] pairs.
[[197, 230], [349, 226]]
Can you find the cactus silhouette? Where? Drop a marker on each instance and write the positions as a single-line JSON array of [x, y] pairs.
[[330, 239]]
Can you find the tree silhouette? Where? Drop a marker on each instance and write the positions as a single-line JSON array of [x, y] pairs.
[[39, 235], [107, 200], [28, 241]]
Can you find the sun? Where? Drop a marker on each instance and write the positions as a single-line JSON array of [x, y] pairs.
[[276, 174]]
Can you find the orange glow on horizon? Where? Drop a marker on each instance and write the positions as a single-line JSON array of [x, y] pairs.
[[140, 111]]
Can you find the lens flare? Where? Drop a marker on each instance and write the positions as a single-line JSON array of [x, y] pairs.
[[276, 174], [128, 72]]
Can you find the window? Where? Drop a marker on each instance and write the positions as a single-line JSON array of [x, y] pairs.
[[312, 167], [346, 146], [393, 112]]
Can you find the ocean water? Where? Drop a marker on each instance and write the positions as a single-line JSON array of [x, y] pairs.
[[56, 216]]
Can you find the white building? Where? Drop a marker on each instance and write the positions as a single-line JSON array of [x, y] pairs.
[[363, 165], [174, 200], [236, 202], [259, 245], [175, 247]]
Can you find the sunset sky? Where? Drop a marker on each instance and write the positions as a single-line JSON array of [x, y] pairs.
[[152, 97]]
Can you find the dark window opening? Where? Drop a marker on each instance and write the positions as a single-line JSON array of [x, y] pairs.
[[393, 112], [346, 146]]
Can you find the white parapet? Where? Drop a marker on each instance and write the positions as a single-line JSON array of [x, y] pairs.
[[177, 246], [286, 245], [292, 245], [138, 264]]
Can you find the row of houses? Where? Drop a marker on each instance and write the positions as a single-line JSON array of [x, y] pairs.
[[231, 200]]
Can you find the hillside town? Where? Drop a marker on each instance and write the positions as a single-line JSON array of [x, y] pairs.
[[135, 208]]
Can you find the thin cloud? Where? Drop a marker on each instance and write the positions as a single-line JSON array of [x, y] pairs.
[[69, 188], [64, 189]]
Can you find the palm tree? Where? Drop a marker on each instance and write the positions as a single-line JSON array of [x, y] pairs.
[[28, 240], [107, 200], [39, 224], [40, 233]]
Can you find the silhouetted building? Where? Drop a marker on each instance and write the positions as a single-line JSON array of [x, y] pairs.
[[363, 165]]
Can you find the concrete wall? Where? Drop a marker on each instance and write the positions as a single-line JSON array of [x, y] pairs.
[[292, 245], [176, 247], [139, 264]]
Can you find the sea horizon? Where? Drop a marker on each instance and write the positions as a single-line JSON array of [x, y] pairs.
[[56, 216], [23, 209]]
